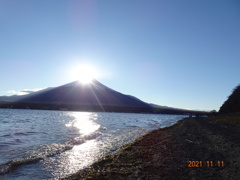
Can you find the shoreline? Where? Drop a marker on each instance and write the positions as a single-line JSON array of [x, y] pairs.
[[193, 148]]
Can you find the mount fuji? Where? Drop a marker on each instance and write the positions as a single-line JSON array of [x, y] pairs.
[[76, 96]]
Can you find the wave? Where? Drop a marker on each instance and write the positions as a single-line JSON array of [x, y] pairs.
[[37, 153], [23, 133]]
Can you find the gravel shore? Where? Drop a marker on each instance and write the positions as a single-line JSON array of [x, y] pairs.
[[194, 148]]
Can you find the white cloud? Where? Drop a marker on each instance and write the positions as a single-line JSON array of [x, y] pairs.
[[24, 91]]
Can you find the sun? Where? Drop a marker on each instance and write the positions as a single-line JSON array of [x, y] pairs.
[[84, 74]]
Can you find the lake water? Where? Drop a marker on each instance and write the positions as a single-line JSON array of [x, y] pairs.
[[40, 144]]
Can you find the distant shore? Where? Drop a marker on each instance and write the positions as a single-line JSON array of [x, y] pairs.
[[194, 148]]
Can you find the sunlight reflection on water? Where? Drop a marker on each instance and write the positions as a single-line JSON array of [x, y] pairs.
[[80, 156], [84, 121], [92, 146], [71, 161], [83, 155], [68, 141]]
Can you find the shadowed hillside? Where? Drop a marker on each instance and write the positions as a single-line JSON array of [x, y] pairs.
[[76, 96], [232, 104]]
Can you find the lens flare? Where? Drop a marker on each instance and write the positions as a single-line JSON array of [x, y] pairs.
[[84, 74]]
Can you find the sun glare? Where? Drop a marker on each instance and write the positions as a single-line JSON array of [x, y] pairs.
[[85, 74]]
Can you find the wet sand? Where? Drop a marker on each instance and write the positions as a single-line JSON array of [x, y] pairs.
[[194, 148]]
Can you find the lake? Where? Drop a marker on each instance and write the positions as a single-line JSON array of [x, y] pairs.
[[41, 144]]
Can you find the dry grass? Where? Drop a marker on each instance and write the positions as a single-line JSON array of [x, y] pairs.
[[229, 118]]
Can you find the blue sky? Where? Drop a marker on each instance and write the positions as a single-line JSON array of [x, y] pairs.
[[183, 54]]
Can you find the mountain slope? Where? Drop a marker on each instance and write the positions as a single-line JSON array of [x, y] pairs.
[[18, 97], [171, 110], [232, 104], [77, 96]]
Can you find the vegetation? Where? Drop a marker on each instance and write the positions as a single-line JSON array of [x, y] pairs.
[[232, 104], [233, 118]]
